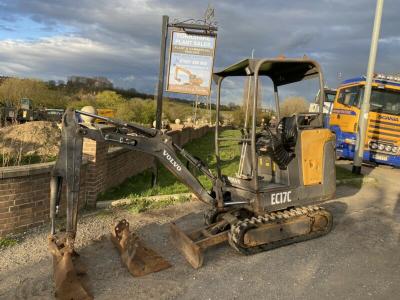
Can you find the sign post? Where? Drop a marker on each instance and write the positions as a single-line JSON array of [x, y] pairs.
[[363, 118], [192, 57], [160, 87]]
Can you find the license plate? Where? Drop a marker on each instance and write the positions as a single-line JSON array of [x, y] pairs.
[[380, 157]]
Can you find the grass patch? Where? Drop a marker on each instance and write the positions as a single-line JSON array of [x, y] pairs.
[[139, 205], [7, 242], [203, 148], [346, 175], [343, 173]]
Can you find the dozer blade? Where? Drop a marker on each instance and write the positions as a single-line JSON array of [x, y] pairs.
[[189, 249], [193, 245], [139, 259], [67, 278]]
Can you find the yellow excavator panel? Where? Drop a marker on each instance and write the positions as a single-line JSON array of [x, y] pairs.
[[312, 152]]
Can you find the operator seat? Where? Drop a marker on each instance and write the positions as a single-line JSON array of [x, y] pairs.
[[279, 147]]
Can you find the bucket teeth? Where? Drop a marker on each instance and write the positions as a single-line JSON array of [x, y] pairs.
[[67, 277], [139, 259]]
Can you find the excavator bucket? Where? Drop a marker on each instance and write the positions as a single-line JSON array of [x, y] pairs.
[[67, 277], [139, 259]]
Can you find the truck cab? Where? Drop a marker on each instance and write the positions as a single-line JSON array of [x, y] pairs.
[[382, 139]]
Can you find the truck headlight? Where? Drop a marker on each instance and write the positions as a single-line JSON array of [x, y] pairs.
[[394, 149], [374, 146], [350, 141], [388, 148], [381, 147]]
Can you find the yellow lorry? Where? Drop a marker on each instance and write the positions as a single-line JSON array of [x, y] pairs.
[[382, 140]]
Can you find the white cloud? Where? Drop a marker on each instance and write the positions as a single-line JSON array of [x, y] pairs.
[[61, 56], [394, 40], [120, 39], [131, 78]]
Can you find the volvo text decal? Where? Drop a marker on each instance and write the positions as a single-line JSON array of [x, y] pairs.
[[172, 161]]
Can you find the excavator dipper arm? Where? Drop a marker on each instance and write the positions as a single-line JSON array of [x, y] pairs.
[[68, 281], [139, 259]]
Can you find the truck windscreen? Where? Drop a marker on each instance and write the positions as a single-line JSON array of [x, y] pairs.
[[385, 101]]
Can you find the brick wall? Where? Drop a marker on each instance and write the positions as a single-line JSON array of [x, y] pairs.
[[25, 190], [25, 197], [122, 163], [96, 156]]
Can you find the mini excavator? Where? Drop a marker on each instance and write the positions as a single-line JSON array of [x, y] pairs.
[[271, 202]]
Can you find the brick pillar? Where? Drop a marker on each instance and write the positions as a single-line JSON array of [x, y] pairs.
[[96, 155]]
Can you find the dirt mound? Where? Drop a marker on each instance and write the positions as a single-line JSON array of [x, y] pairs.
[[29, 142]]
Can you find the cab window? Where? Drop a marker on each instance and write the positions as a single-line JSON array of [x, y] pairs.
[[330, 97], [385, 101], [349, 96]]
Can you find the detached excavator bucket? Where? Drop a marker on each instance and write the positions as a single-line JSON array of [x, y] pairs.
[[67, 277], [139, 259]]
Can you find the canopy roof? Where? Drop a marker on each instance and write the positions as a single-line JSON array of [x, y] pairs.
[[281, 70]]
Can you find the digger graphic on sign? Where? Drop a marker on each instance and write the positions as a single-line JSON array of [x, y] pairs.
[[192, 78]]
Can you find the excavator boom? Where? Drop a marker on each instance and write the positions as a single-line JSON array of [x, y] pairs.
[[138, 258]]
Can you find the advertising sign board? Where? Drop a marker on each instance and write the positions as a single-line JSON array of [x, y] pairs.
[[190, 63]]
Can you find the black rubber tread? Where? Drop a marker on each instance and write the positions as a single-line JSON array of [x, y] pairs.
[[237, 232]]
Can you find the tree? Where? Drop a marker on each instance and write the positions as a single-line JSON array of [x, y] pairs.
[[108, 99], [14, 89], [292, 105], [238, 117], [137, 110], [105, 99], [80, 100]]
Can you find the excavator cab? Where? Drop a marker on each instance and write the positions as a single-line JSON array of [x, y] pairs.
[[290, 165]]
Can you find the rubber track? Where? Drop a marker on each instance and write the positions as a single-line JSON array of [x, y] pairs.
[[237, 232]]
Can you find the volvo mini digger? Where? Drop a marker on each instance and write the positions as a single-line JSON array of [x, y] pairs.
[[272, 202]]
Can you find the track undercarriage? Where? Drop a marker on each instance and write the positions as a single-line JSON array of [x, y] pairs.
[[281, 228], [250, 234]]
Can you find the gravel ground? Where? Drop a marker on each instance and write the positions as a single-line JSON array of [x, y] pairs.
[[359, 259]]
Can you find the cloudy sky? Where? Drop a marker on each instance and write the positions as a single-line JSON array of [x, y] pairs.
[[119, 39]]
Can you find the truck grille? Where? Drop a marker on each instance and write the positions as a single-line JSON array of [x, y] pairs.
[[383, 130]]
